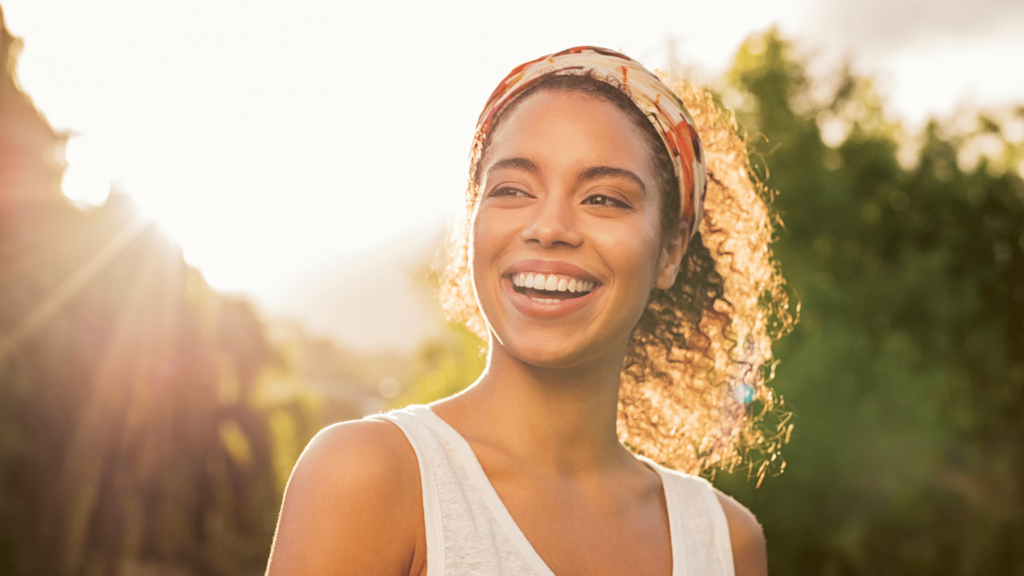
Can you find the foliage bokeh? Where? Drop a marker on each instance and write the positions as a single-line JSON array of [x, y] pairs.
[[906, 373]]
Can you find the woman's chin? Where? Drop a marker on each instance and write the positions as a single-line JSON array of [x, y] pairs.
[[554, 352]]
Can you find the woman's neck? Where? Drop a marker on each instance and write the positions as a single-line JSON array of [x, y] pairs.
[[563, 419]]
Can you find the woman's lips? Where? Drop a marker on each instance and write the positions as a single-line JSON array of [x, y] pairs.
[[544, 303], [548, 267], [548, 288]]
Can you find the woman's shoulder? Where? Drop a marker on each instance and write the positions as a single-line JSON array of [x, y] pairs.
[[746, 537], [353, 500], [371, 453], [749, 556]]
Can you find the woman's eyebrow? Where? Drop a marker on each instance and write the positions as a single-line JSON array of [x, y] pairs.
[[515, 163], [598, 172]]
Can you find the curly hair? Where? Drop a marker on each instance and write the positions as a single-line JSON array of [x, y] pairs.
[[693, 392]]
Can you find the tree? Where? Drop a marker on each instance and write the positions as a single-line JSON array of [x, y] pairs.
[[906, 373]]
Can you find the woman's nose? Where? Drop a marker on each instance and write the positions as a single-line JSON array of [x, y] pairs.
[[552, 224]]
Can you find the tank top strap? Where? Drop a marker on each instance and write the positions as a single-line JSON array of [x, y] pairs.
[[467, 534], [424, 445], [703, 536]]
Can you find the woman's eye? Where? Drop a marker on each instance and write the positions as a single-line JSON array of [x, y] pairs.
[[603, 200], [507, 191]]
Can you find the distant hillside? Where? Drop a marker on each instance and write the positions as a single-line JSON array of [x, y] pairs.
[[372, 299]]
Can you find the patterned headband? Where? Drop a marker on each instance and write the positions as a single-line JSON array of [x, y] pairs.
[[661, 106]]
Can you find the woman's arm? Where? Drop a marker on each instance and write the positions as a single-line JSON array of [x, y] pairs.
[[748, 551], [352, 506]]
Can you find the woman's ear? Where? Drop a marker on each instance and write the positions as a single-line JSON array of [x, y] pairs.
[[671, 256]]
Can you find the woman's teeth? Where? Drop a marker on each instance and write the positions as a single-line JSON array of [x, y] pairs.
[[551, 283]]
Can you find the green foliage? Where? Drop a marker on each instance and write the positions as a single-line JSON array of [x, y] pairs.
[[446, 366], [346, 383], [906, 373]]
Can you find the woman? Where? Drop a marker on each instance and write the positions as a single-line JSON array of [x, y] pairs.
[[614, 312]]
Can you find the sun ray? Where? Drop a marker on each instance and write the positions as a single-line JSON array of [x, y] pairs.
[[69, 287]]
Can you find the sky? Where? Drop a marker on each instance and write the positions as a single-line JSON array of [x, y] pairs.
[[268, 138]]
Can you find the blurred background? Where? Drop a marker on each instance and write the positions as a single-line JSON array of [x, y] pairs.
[[218, 221]]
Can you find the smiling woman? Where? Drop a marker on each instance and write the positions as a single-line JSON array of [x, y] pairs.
[[627, 332]]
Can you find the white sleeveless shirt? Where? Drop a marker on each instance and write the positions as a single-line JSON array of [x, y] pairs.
[[470, 532]]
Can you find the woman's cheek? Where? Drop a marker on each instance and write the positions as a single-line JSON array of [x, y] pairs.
[[634, 252], [485, 247]]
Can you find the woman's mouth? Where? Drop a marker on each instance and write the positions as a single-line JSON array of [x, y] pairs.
[[550, 288]]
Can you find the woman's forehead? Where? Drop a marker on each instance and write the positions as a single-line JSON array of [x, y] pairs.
[[555, 127]]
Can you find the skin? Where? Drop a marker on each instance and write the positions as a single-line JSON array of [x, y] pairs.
[[541, 419]]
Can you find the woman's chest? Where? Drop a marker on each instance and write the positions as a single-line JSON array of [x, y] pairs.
[[615, 528]]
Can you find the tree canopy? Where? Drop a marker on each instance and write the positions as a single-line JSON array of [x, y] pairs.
[[906, 373]]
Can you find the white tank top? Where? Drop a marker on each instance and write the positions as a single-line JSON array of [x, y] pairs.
[[470, 532]]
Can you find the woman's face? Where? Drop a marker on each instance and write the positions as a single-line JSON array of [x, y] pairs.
[[567, 242]]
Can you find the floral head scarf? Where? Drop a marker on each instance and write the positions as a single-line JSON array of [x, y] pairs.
[[661, 106]]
